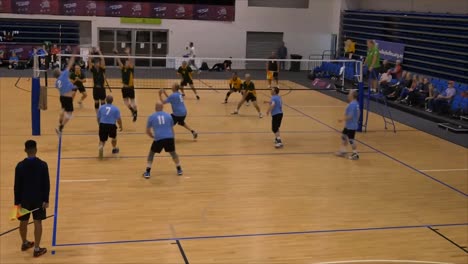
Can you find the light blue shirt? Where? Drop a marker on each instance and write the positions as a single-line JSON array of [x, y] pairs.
[[354, 112], [278, 107], [161, 123], [63, 83], [177, 103], [108, 114]]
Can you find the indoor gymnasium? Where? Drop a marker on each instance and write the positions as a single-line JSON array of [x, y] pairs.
[[234, 131]]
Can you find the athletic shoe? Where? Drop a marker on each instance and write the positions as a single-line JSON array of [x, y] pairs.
[[57, 130], [101, 152], [135, 115], [27, 245], [39, 252], [115, 150], [429, 110], [195, 135], [180, 172], [247, 104], [260, 115], [354, 156], [183, 94], [235, 113], [80, 103], [225, 102], [340, 154], [147, 175], [278, 145], [198, 97]]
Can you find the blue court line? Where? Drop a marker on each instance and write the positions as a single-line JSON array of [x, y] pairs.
[[57, 185], [259, 234], [385, 154], [216, 155]]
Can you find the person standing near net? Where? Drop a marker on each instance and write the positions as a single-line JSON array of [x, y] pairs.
[[235, 85], [98, 69], [249, 95], [283, 54], [276, 110], [373, 64], [191, 55], [32, 188], [185, 73], [351, 120], [272, 69], [78, 78], [128, 90], [160, 128], [179, 111], [108, 116], [66, 87]]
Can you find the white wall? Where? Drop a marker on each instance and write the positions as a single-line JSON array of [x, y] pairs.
[[306, 31], [435, 6]]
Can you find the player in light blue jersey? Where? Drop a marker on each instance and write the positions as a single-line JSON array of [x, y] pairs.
[[179, 111], [108, 116], [276, 110], [65, 87], [160, 128], [351, 120]]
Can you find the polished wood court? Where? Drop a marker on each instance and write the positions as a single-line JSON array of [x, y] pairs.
[[240, 199]]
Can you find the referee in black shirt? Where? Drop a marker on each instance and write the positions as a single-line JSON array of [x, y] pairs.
[[32, 188]]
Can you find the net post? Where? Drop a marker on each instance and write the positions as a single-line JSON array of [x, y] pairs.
[[361, 96], [35, 111]]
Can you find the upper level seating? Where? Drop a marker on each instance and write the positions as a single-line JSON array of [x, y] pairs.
[[435, 44]]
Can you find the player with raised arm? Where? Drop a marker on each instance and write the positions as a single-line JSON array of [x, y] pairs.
[[179, 111], [65, 87], [128, 91], [235, 85], [276, 110], [108, 116], [98, 68], [160, 128], [351, 120], [249, 94], [185, 73]]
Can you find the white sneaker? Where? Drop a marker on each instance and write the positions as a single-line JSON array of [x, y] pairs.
[[278, 145], [260, 115], [235, 113], [247, 104], [101, 152]]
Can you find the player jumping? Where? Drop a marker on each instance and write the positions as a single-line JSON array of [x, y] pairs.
[[98, 69], [179, 111], [185, 72], [66, 87], [351, 120], [249, 94], [128, 91]]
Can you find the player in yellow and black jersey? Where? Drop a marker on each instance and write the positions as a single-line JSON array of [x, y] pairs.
[[235, 85], [128, 90], [249, 94], [185, 73]]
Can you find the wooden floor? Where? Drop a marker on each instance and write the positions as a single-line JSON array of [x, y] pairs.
[[240, 200]]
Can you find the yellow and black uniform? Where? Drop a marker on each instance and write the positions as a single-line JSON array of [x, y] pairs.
[[272, 72], [128, 90], [186, 74], [249, 88], [78, 84], [235, 85], [99, 77]]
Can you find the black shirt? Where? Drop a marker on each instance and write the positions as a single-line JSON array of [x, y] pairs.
[[98, 76], [32, 184], [273, 64], [227, 64]]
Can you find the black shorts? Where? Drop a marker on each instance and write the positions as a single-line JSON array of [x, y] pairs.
[[107, 131], [80, 88], [275, 75], [168, 144], [39, 214], [251, 97], [184, 82], [276, 122], [67, 103], [178, 120], [128, 92], [99, 94], [350, 133]]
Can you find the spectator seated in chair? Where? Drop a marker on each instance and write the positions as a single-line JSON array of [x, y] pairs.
[[405, 82], [13, 61], [397, 70], [384, 81], [441, 102], [385, 66], [419, 95], [407, 90]]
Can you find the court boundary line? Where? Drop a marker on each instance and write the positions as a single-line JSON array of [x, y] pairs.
[[216, 155], [16, 228], [382, 261], [448, 239], [258, 234], [57, 189], [182, 252], [383, 153]]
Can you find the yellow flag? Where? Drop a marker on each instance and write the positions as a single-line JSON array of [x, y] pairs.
[[14, 212]]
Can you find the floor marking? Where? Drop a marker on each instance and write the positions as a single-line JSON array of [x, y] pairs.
[[318, 106], [382, 261], [448, 239], [442, 170], [90, 180]]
